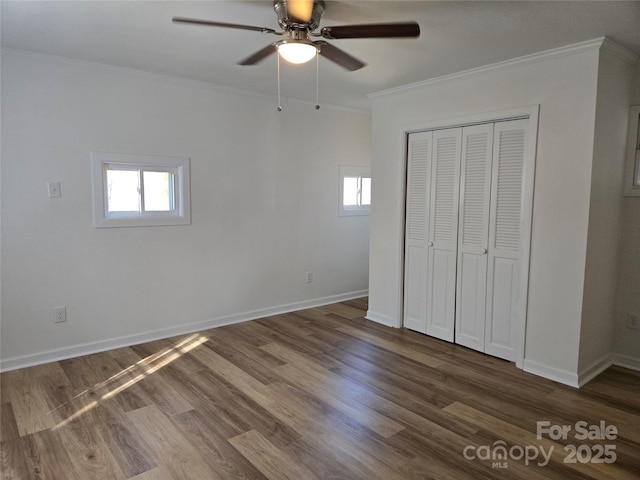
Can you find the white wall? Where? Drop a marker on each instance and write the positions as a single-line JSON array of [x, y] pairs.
[[264, 191], [564, 84], [627, 342], [605, 213]]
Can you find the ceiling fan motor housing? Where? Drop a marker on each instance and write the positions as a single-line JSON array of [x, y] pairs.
[[287, 22], [299, 19]]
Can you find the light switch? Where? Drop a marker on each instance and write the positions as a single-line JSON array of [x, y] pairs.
[[54, 190]]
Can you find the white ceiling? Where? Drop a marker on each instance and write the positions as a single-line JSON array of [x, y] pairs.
[[456, 36]]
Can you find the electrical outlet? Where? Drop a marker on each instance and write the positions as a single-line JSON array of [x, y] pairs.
[[633, 321], [309, 277], [54, 189], [59, 314]]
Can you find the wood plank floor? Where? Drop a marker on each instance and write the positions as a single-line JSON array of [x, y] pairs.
[[317, 394]]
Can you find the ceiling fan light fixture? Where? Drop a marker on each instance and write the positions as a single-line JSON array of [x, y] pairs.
[[297, 52]]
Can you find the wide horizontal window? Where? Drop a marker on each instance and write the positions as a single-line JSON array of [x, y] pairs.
[[140, 190]]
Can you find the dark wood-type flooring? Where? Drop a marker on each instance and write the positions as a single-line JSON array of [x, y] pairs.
[[317, 394]]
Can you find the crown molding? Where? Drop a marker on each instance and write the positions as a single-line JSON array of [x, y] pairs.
[[555, 53], [172, 79]]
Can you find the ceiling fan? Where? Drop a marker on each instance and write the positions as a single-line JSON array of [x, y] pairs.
[[299, 20]]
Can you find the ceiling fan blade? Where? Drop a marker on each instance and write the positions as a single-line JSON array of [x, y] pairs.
[[195, 21], [338, 56], [299, 10], [259, 55], [373, 30]]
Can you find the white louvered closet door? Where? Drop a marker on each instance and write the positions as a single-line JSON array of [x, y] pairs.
[[505, 227], [442, 233], [464, 242], [417, 223], [473, 235]]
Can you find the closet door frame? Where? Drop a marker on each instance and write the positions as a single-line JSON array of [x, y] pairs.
[[530, 112]]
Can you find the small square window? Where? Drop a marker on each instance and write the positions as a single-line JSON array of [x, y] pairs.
[[355, 191], [140, 190]]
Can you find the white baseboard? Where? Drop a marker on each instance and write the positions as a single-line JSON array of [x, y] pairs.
[[625, 361], [595, 369], [585, 375], [555, 374], [55, 355], [380, 318]]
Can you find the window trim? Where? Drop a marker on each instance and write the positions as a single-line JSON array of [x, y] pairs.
[[632, 162], [352, 171], [178, 166]]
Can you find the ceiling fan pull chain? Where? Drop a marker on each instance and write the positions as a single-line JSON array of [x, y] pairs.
[[279, 106], [317, 79]]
